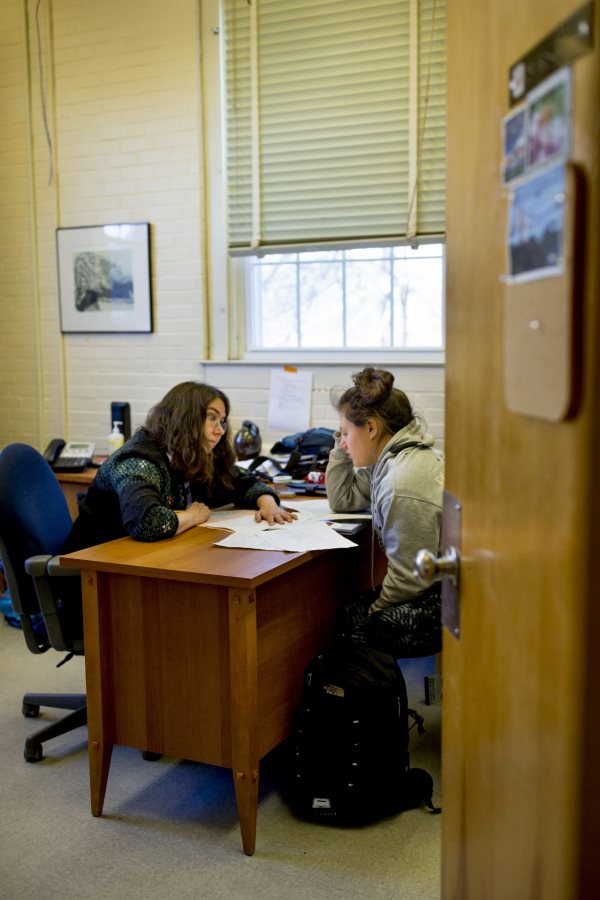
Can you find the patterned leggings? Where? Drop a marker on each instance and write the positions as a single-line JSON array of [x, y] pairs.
[[405, 630]]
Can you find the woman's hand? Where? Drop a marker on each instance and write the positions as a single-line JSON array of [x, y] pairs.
[[195, 514], [270, 512]]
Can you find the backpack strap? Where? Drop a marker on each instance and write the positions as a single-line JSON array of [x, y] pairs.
[[418, 721], [420, 789]]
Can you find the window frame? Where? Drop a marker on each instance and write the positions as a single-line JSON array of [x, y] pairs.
[[342, 355]]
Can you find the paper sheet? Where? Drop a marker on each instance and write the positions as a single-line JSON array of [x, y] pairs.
[[289, 400], [321, 511], [294, 537], [232, 518], [307, 532]]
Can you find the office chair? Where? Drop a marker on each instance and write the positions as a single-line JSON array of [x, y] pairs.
[[34, 524]]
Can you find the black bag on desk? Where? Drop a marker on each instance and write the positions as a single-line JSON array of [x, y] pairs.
[[308, 450], [314, 442], [349, 761]]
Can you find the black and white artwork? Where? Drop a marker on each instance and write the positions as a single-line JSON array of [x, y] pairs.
[[104, 278]]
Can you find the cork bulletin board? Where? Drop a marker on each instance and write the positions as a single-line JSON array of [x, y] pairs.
[[545, 189], [542, 311]]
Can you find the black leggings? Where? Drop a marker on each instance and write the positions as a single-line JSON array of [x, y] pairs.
[[405, 630]]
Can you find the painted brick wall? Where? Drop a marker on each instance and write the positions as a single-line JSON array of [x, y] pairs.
[[129, 149], [248, 390], [19, 377], [121, 85]]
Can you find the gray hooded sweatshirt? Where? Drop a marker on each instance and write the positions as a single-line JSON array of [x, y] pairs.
[[404, 489]]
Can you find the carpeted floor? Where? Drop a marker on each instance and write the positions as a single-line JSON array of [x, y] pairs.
[[170, 830]]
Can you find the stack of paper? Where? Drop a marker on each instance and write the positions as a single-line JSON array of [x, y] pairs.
[[321, 511], [295, 536], [308, 532]]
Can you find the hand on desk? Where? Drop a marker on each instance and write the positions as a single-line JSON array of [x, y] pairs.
[[270, 512], [195, 514]]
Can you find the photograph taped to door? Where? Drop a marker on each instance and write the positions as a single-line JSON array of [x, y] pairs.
[[514, 145], [536, 226], [549, 120]]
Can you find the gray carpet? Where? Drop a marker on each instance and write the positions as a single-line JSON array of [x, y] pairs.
[[170, 830]]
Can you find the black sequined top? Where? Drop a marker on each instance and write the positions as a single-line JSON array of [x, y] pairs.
[[136, 493]]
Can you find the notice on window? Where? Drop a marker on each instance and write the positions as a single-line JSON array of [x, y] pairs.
[[289, 400]]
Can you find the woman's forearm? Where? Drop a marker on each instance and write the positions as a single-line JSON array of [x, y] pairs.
[[195, 514]]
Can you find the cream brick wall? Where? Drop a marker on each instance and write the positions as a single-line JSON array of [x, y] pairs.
[[248, 390], [19, 354], [122, 83]]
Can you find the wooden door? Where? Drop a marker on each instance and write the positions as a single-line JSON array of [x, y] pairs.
[[521, 746]]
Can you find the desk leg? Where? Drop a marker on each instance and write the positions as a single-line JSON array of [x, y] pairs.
[[99, 745], [244, 710]]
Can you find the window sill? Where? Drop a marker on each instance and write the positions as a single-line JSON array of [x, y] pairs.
[[343, 358]]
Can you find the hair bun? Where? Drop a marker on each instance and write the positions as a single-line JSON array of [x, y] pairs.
[[375, 385]]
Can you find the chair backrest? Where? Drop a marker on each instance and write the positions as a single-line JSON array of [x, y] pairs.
[[34, 519]]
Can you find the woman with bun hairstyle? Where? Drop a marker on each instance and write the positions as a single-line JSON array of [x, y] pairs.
[[384, 459], [169, 475]]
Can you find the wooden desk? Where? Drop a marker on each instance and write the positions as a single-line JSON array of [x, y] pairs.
[[198, 651], [73, 483]]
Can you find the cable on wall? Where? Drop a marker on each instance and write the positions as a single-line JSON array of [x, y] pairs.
[[411, 217], [42, 94]]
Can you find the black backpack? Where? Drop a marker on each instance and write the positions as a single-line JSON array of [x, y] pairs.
[[348, 751], [314, 442]]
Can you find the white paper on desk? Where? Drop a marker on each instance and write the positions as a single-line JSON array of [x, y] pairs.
[[233, 519], [296, 537], [320, 509], [289, 401]]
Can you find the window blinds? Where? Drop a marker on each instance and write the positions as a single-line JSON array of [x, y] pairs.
[[335, 116]]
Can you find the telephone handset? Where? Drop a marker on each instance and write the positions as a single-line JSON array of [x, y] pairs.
[[53, 449], [72, 456]]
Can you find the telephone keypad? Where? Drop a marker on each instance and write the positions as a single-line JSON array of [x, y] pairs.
[[71, 464]]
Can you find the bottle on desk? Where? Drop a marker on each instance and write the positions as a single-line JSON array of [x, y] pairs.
[[283, 486], [116, 438]]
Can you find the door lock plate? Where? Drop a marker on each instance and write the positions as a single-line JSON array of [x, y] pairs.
[[451, 542]]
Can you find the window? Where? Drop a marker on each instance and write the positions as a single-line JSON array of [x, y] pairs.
[[330, 127], [363, 298]]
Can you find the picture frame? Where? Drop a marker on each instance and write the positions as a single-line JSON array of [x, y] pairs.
[[104, 278]]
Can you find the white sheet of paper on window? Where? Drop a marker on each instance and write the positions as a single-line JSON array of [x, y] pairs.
[[289, 400]]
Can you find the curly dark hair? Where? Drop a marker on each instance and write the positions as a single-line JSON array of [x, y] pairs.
[[374, 396], [176, 423]]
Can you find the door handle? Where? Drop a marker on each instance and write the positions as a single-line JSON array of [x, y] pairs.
[[429, 568]]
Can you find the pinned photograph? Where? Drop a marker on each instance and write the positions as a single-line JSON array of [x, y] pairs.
[[536, 226], [514, 144], [548, 120]]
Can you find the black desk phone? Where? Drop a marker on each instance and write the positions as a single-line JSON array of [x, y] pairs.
[[71, 456]]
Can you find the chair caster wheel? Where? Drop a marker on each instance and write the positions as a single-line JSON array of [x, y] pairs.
[[150, 756], [31, 710], [33, 752]]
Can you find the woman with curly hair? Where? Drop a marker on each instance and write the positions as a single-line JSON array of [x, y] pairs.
[[169, 475], [384, 459]]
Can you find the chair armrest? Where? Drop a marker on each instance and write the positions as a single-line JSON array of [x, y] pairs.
[[50, 580], [37, 565], [44, 564], [55, 569]]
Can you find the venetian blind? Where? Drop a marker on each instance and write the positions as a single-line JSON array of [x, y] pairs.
[[335, 120]]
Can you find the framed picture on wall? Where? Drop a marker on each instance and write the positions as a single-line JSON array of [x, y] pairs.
[[104, 278]]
